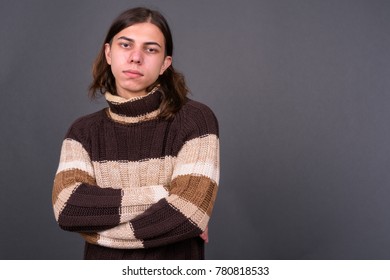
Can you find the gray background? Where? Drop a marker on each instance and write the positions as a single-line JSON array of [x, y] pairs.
[[301, 89]]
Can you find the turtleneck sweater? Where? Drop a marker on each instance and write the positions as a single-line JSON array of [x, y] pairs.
[[128, 179]]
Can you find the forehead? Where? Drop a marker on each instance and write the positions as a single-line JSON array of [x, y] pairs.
[[142, 32]]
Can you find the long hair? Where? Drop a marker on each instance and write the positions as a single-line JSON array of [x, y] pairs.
[[171, 82]]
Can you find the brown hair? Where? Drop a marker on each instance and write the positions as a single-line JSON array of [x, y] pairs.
[[171, 82]]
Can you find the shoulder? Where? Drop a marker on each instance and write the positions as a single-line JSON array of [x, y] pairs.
[[82, 126], [192, 106], [198, 118]]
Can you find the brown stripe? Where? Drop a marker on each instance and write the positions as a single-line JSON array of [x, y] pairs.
[[154, 139], [67, 178], [185, 231], [90, 237], [79, 219], [200, 120], [89, 196], [199, 190]]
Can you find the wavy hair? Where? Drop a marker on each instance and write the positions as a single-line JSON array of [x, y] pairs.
[[172, 83]]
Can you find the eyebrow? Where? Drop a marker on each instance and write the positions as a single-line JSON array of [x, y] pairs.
[[132, 40]]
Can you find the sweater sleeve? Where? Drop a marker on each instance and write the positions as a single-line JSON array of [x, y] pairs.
[[186, 211], [81, 205]]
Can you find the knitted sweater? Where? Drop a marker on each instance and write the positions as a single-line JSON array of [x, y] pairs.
[[128, 179]]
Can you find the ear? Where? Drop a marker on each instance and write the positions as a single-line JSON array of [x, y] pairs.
[[107, 51], [167, 62]]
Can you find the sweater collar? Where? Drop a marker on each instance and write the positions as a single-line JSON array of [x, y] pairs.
[[135, 109]]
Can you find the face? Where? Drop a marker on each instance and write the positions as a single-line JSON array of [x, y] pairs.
[[137, 58]]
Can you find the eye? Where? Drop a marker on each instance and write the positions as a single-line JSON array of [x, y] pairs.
[[124, 45], [151, 50]]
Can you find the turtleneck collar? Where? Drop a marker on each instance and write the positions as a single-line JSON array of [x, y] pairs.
[[135, 109]]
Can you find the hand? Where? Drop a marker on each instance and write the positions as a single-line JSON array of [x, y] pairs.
[[205, 235]]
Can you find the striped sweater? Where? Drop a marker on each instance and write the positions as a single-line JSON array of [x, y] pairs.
[[128, 179]]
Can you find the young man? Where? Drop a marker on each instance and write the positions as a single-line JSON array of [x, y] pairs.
[[138, 180]]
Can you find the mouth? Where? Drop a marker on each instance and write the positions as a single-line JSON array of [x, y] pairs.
[[133, 73]]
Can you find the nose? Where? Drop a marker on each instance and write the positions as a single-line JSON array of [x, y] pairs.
[[136, 57]]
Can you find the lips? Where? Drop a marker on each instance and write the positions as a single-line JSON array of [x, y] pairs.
[[133, 73]]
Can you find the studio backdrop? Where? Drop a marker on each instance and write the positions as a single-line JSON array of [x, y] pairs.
[[301, 90]]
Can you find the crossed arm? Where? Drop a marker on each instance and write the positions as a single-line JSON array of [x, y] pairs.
[[126, 218]]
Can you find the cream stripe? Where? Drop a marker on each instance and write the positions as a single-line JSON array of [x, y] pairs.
[[120, 244], [130, 212], [203, 169], [76, 164], [152, 172], [63, 197], [201, 149], [121, 236], [116, 99], [144, 195], [130, 174], [74, 156], [122, 231], [191, 211], [136, 200], [140, 118]]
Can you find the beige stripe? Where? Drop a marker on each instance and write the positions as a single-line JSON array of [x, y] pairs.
[[207, 169], [120, 244], [144, 195], [199, 156], [130, 212], [132, 174], [96, 238], [122, 231], [191, 211], [76, 164], [74, 156], [121, 236], [136, 200], [140, 118], [201, 149], [199, 190], [116, 99]]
